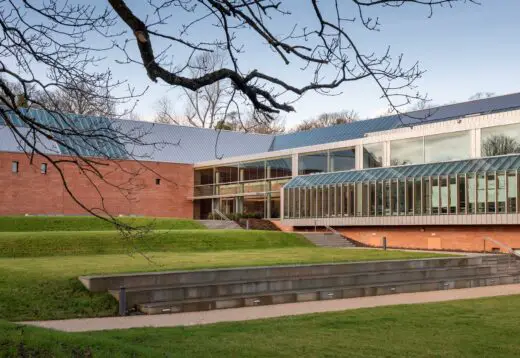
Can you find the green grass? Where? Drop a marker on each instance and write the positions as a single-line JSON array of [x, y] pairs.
[[48, 288], [59, 243], [86, 223], [472, 328]]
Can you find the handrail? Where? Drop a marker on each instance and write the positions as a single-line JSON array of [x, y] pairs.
[[507, 247], [222, 215], [331, 229]]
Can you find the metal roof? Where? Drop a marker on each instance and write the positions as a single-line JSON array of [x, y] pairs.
[[358, 129], [153, 142], [481, 165], [180, 144]]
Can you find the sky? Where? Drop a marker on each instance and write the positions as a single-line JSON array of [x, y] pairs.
[[465, 49]]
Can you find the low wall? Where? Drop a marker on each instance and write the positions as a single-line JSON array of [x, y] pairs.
[[465, 238]]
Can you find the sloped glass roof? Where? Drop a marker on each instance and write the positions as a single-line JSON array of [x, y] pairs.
[[491, 164]]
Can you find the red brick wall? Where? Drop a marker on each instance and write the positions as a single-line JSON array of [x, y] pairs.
[[468, 238], [30, 192]]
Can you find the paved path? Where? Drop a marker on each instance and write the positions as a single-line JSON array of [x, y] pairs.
[[289, 309]]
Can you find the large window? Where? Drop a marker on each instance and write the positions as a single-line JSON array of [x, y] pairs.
[[279, 168], [227, 174], [500, 140], [312, 163], [204, 176], [407, 151], [373, 155], [342, 160], [444, 147], [253, 171]]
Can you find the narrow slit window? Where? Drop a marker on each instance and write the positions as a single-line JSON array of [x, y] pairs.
[[14, 166], [43, 168], [157, 181]]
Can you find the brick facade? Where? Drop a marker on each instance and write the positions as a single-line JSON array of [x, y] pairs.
[[31, 192], [467, 238]]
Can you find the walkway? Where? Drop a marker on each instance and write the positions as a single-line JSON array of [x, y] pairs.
[[259, 312]]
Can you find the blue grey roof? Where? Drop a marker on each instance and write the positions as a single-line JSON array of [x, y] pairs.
[[358, 129], [181, 144], [481, 165], [155, 142]]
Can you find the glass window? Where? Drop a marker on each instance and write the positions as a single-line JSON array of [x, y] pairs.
[[255, 205], [14, 167], [312, 163], [313, 202], [472, 191], [501, 192], [351, 200], [279, 168], [393, 190], [462, 194], [500, 140], [481, 193], [435, 196], [342, 160], [227, 174], [338, 200], [372, 199], [409, 196], [346, 208], [387, 199], [491, 193], [417, 196], [444, 147], [511, 192], [286, 200], [373, 155], [426, 196], [407, 151], [252, 171], [43, 168], [326, 201], [204, 176], [401, 185], [319, 208]]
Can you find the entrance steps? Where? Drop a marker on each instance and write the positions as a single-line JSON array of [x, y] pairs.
[[220, 224], [327, 239], [184, 291]]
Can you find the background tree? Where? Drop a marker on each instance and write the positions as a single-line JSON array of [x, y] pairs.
[[500, 144], [327, 120], [481, 95]]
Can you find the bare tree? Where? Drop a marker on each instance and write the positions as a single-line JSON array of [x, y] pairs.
[[482, 95], [327, 120], [59, 45], [205, 107], [257, 122], [500, 144]]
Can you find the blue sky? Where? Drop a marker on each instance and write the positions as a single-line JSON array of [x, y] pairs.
[[465, 49]]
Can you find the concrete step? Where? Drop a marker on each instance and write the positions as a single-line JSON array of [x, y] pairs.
[[220, 224], [327, 239], [103, 283], [324, 294], [135, 296]]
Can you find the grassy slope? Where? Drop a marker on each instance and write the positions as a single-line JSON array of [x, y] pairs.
[[86, 223], [58, 243], [473, 328], [48, 288]]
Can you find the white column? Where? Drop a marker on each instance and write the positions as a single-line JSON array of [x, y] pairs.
[[476, 136], [295, 165], [359, 156]]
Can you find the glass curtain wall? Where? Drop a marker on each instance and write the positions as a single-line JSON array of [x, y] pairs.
[[471, 193]]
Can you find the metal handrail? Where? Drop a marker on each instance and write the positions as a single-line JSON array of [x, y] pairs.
[[507, 247], [222, 215], [331, 229]]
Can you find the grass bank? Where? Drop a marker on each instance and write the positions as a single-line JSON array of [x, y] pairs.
[[48, 288], [60, 243], [473, 328], [89, 223]]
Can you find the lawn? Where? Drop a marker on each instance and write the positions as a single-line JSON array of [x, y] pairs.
[[48, 288], [473, 328], [89, 223], [59, 243]]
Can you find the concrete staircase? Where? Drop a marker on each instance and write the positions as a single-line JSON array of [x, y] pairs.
[[327, 239], [184, 291], [220, 224]]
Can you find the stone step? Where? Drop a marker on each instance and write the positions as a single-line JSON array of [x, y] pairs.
[[102, 283], [135, 296], [323, 294], [327, 239]]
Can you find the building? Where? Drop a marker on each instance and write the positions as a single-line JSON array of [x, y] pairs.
[[441, 178]]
